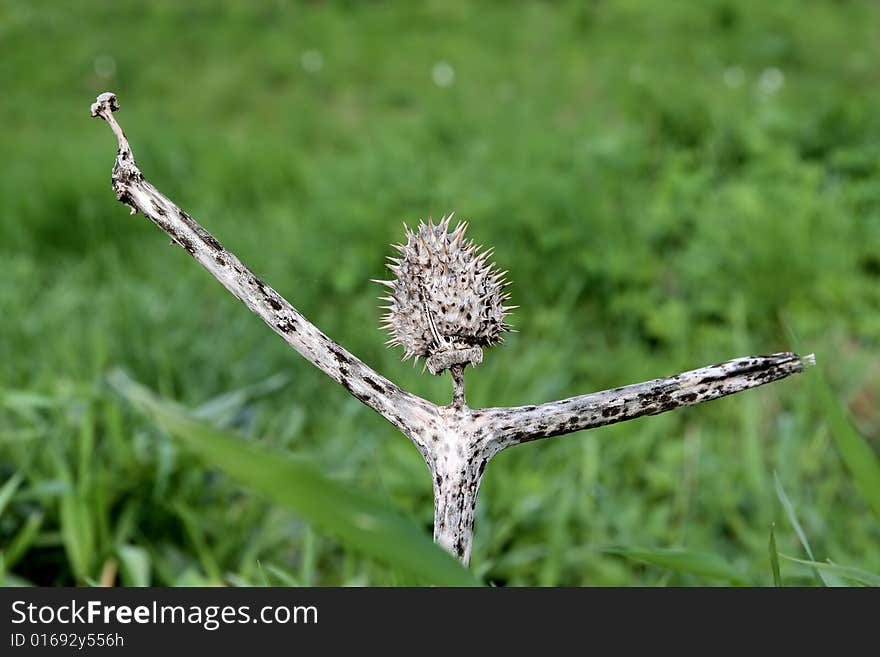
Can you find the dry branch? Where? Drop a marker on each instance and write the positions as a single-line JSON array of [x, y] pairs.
[[402, 409], [456, 442], [521, 424]]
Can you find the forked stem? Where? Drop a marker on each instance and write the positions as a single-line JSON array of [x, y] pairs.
[[455, 441]]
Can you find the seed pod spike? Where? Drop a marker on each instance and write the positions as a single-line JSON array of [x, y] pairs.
[[445, 303], [381, 282]]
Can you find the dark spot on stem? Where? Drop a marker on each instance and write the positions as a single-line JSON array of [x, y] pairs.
[[286, 326], [125, 198], [210, 241], [339, 355], [373, 384], [185, 243]]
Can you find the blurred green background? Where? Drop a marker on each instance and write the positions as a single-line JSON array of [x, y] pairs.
[[670, 185]]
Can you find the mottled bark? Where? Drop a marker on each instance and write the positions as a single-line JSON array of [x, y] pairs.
[[458, 399], [456, 442], [520, 424], [404, 410]]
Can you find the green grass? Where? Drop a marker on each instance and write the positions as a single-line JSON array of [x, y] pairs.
[[362, 522], [669, 184]]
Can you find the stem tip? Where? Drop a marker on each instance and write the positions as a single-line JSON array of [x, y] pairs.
[[104, 103]]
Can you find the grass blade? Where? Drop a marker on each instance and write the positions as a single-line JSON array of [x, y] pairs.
[[135, 565], [354, 517], [860, 460], [264, 578], [847, 572], [11, 580], [22, 541], [774, 557], [193, 529], [703, 564], [221, 410], [792, 518], [285, 578], [8, 490], [77, 534]]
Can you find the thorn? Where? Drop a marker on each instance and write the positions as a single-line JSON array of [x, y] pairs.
[[485, 255], [455, 240]]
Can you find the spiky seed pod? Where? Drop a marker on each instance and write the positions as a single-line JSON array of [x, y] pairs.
[[446, 301]]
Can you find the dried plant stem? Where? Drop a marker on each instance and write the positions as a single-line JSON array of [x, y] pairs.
[[402, 409], [456, 442], [522, 424], [458, 400]]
